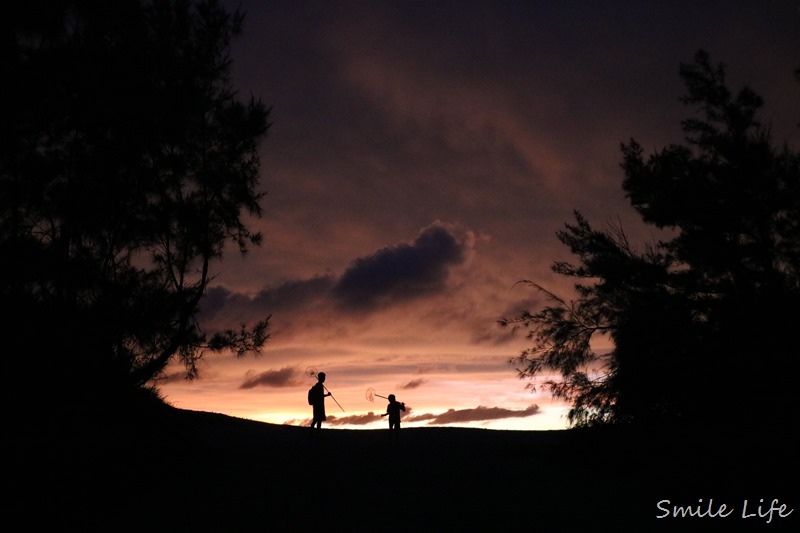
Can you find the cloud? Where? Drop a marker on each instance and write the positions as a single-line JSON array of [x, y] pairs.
[[333, 420], [451, 416], [401, 272], [287, 296], [389, 276], [285, 377], [353, 420], [478, 414], [413, 384], [293, 294]]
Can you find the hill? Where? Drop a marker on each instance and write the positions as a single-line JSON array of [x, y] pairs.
[[195, 471]]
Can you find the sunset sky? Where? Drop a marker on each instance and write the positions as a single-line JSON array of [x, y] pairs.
[[421, 158]]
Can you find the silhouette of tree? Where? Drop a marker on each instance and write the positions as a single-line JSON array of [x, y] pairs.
[[127, 164], [701, 323]]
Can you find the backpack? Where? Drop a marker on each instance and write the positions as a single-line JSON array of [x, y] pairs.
[[311, 396]]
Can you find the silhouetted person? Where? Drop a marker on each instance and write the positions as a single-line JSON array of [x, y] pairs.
[[393, 410], [317, 399]]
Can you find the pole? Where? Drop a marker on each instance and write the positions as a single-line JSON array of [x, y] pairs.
[[332, 398]]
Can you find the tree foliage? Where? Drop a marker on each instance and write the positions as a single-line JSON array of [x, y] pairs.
[[702, 322], [127, 165]]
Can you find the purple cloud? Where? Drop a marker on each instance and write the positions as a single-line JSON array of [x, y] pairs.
[[401, 272], [285, 377]]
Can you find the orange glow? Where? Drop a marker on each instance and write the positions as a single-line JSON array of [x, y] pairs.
[[447, 393]]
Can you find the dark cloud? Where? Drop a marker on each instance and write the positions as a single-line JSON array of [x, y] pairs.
[[478, 414], [402, 272], [214, 300], [413, 384], [292, 294], [389, 276], [222, 308], [285, 377]]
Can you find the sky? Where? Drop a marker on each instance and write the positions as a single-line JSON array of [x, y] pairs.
[[421, 157]]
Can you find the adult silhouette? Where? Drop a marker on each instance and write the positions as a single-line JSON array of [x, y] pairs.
[[316, 397]]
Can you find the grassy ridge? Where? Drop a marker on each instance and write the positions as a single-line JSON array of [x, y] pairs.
[[194, 471]]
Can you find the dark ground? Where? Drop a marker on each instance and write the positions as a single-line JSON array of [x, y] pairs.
[[193, 471]]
